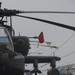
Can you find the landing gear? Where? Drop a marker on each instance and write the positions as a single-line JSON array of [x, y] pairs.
[[53, 70], [36, 70]]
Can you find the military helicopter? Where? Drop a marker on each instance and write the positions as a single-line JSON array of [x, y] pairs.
[[14, 49]]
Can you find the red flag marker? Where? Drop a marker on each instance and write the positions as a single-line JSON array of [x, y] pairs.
[[41, 38]]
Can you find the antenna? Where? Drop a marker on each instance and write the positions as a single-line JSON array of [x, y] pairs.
[[0, 4]]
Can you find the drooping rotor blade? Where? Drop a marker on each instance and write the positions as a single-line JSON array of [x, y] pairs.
[[41, 59], [49, 22], [48, 43], [47, 46], [35, 53]]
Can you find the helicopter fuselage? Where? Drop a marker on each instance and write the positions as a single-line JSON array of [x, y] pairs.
[[11, 62]]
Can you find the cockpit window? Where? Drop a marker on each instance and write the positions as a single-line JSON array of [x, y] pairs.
[[3, 37]]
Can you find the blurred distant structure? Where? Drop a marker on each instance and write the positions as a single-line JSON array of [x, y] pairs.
[[67, 69]]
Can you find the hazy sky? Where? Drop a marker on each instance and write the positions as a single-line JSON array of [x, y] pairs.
[[57, 35]]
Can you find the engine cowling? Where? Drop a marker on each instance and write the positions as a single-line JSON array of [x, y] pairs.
[[21, 44]]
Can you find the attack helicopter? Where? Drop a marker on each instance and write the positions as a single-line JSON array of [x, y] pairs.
[[14, 49]]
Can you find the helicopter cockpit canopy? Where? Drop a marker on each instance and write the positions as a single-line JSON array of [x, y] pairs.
[[5, 38]]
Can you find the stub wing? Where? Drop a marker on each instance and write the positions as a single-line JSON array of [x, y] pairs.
[[41, 59]]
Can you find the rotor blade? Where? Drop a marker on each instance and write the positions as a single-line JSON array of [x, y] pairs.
[[7, 12], [48, 43], [41, 59], [57, 12], [49, 22], [35, 53], [46, 46]]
